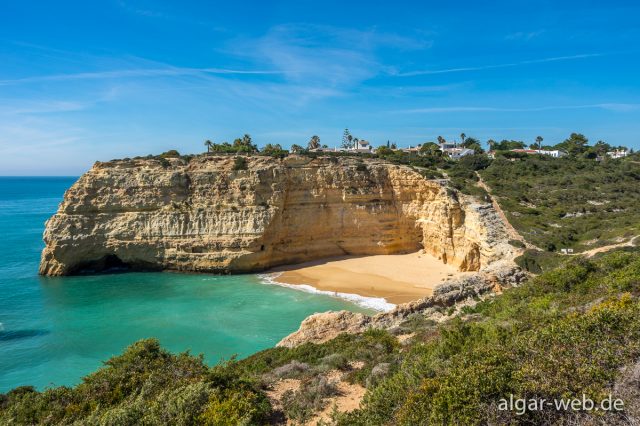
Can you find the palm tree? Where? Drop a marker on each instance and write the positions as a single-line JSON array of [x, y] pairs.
[[314, 142], [491, 144], [441, 140], [209, 145], [462, 137], [245, 144], [539, 140]]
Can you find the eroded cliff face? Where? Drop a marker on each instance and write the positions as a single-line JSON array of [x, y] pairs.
[[203, 216]]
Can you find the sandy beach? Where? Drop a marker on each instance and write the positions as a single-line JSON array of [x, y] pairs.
[[397, 278]]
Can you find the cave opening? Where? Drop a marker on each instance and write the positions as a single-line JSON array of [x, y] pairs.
[[110, 264]]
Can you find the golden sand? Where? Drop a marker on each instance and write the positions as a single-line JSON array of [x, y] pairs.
[[398, 278]]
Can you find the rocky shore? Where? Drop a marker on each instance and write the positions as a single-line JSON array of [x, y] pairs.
[[456, 293]]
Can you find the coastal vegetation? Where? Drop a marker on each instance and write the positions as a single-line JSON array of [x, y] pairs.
[[568, 202], [239, 163], [571, 331], [242, 145], [144, 385]]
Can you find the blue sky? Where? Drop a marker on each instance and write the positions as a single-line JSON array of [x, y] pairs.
[[83, 81]]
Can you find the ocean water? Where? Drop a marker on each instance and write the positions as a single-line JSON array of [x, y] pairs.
[[53, 331]]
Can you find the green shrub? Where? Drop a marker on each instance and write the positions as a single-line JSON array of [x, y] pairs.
[[537, 262], [517, 243], [474, 162], [274, 151], [172, 153], [301, 404], [144, 385], [335, 361], [235, 407], [291, 370], [240, 163]]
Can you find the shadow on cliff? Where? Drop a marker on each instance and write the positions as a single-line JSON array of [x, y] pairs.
[[326, 260], [112, 264]]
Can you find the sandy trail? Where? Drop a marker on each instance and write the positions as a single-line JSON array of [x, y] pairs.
[[593, 252]]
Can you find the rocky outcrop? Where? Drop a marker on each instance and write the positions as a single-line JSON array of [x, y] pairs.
[[463, 291], [320, 327], [203, 215]]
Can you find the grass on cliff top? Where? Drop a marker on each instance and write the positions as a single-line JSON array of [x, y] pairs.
[[568, 202], [573, 330]]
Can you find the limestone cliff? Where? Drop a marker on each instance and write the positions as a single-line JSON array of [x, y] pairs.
[[202, 215]]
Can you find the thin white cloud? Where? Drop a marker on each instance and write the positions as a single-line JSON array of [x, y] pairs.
[[142, 12], [303, 56], [496, 66], [618, 107], [323, 55], [523, 35], [135, 73], [42, 107], [34, 134], [174, 15]]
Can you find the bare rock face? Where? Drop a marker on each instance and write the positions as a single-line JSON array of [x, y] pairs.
[[318, 328], [202, 215]]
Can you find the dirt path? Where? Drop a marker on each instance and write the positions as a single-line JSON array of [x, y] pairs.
[[347, 398], [513, 233], [593, 252]]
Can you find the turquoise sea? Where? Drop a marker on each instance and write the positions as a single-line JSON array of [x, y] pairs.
[[53, 331]]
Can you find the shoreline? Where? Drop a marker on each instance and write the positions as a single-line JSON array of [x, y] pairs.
[[378, 304], [378, 282]]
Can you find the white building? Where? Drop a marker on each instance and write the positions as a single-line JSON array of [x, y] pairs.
[[457, 153], [453, 151], [447, 145], [618, 153], [555, 153], [361, 146]]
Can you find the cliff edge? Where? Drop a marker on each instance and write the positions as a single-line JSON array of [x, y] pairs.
[[204, 215]]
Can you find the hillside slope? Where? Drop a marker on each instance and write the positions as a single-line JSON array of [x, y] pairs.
[[576, 203]]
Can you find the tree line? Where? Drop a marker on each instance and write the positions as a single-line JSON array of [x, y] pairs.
[[576, 144]]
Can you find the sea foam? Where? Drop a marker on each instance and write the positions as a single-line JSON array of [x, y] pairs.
[[375, 303]]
